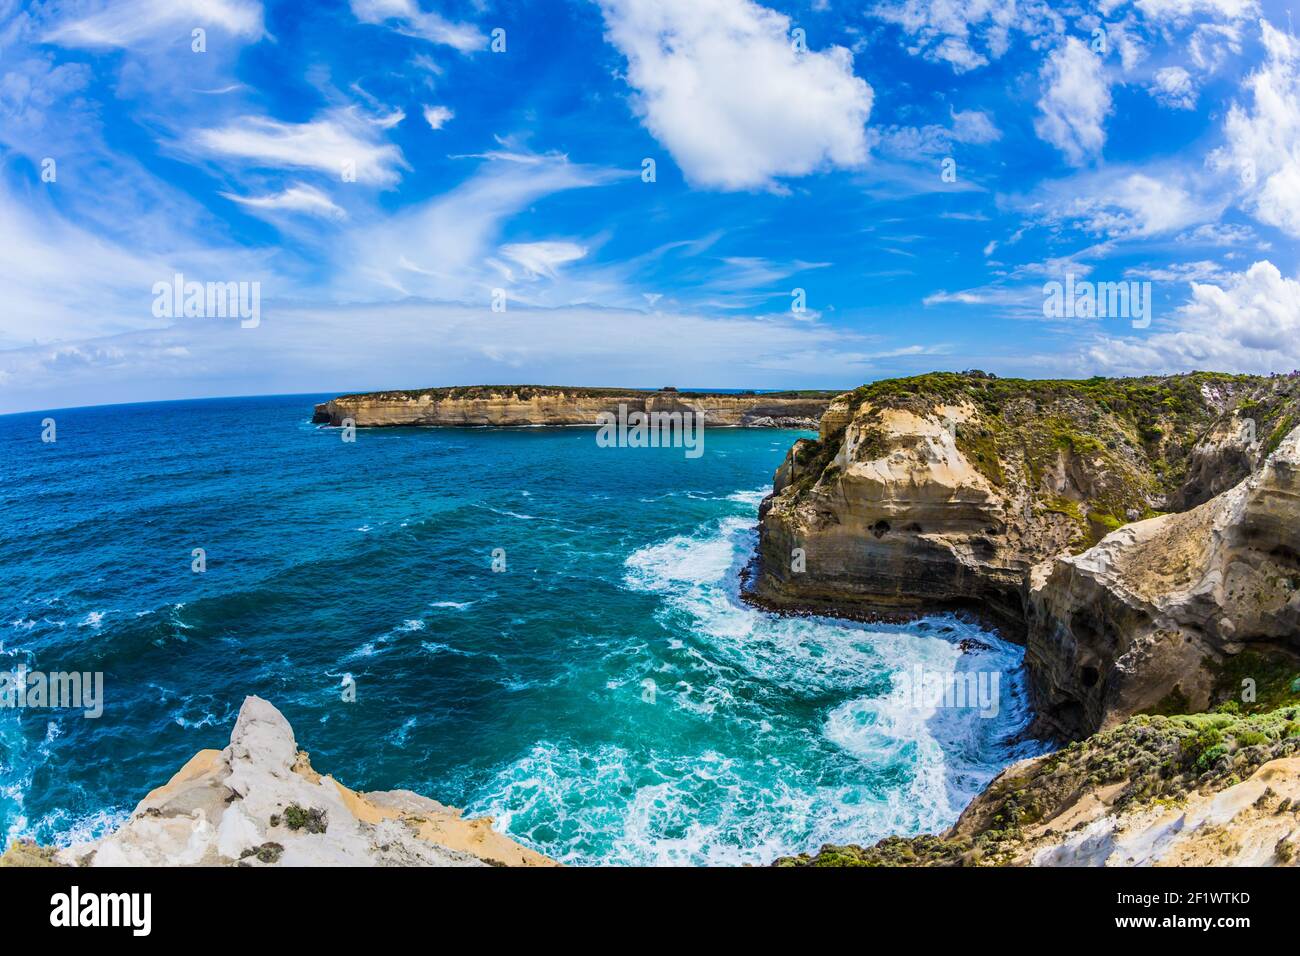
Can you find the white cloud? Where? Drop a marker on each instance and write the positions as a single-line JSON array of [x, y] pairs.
[[961, 298], [443, 248], [62, 281], [1263, 144], [389, 120], [1173, 87], [409, 20], [297, 198], [1212, 43], [1250, 322], [1075, 103], [124, 23], [1181, 10], [1003, 300], [326, 144], [974, 126], [1219, 234], [438, 116], [1125, 36], [542, 258], [967, 34], [1202, 271], [1123, 204], [944, 28], [910, 145], [910, 142], [720, 85], [82, 254]]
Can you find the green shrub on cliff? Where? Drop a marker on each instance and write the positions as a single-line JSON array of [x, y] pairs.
[[1251, 682], [311, 820], [1126, 442]]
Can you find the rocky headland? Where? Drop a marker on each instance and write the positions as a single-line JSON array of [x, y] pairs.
[[258, 802], [517, 405], [1138, 536]]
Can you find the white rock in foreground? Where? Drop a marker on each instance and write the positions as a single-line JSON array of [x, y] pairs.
[[236, 806], [1249, 824]]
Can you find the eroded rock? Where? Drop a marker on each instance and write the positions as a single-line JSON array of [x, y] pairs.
[[259, 803], [1157, 607]]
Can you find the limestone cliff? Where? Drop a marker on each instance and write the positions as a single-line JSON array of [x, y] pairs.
[[944, 490], [258, 802], [1140, 536], [482, 405], [972, 492], [1158, 608]]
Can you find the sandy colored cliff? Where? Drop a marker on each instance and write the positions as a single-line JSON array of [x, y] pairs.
[[522, 405], [258, 802]]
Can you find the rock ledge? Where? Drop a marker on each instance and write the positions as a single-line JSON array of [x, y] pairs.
[[259, 803]]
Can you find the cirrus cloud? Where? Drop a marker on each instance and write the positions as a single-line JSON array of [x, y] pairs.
[[126, 23], [407, 18], [331, 143], [297, 198], [542, 258]]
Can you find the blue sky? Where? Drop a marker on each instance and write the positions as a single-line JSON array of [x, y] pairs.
[[380, 171]]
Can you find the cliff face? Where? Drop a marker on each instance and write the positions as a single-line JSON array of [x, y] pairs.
[[260, 803], [1043, 501], [898, 519], [965, 491], [1158, 608], [538, 405], [946, 489]]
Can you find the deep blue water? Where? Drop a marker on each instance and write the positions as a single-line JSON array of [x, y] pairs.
[[518, 694]]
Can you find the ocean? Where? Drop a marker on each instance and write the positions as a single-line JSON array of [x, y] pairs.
[[607, 697]]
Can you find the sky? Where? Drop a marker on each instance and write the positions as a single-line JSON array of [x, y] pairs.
[[638, 193]]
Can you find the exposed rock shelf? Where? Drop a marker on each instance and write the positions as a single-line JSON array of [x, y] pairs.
[[502, 405], [258, 802]]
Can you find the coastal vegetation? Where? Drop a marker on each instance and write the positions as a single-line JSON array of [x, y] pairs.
[[1163, 661], [1147, 761]]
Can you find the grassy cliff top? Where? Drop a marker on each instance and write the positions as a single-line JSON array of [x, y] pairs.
[[1137, 397], [1150, 404], [1127, 442]]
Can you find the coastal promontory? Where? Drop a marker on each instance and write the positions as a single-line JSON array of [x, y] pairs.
[[522, 405], [1138, 536]]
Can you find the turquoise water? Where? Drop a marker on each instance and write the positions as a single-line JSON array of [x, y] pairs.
[[522, 694]]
